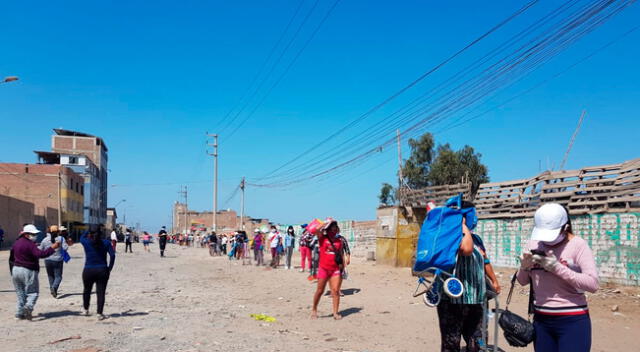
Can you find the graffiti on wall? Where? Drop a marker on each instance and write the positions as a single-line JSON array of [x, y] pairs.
[[614, 239]]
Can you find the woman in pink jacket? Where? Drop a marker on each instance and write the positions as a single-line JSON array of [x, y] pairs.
[[561, 268]]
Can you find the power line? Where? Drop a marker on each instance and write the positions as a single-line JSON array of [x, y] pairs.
[[265, 62], [275, 64], [529, 57], [287, 69], [408, 86]]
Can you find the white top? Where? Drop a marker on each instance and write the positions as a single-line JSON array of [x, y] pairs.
[[114, 237], [275, 238]]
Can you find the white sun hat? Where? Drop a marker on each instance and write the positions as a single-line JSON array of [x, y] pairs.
[[549, 220], [32, 229]]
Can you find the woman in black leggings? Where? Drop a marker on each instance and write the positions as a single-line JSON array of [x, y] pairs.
[[96, 269]]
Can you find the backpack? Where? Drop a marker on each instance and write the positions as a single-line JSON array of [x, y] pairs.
[[441, 234]]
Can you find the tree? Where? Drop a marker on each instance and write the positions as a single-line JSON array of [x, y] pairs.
[[387, 194], [444, 166], [416, 169]]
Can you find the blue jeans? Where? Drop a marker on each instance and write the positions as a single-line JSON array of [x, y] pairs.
[[570, 333], [54, 272], [27, 289]]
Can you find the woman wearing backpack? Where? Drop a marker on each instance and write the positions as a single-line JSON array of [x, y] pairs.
[[331, 266], [561, 267]]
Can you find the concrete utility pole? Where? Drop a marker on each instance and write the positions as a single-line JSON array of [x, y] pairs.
[[399, 160], [186, 207], [242, 186], [59, 198], [215, 179]]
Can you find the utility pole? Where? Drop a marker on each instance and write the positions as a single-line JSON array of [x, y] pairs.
[[242, 186], [399, 160], [215, 179], [186, 207], [59, 197]]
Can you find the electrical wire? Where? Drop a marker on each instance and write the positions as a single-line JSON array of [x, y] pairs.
[[264, 63], [287, 69], [407, 87], [528, 57]]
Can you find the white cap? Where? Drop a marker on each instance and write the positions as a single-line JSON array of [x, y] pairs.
[[256, 230], [32, 229], [62, 228], [549, 220]]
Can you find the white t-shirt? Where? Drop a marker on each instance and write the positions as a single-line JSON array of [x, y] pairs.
[[114, 237], [275, 238]]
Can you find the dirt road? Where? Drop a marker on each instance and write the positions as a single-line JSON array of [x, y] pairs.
[[190, 301]]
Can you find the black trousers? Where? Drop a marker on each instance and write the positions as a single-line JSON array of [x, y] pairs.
[[459, 320], [128, 246], [99, 276]]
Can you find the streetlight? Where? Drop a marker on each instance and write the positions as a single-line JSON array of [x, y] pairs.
[[9, 79], [115, 206]]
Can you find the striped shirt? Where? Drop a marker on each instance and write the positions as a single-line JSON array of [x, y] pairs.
[[470, 270]]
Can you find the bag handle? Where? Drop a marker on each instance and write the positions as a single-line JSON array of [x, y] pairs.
[[531, 294], [513, 282]]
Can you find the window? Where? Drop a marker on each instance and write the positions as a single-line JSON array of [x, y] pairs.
[[73, 160]]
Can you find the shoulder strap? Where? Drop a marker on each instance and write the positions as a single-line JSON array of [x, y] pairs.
[[513, 282]]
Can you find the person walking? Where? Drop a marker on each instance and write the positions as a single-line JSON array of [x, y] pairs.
[[289, 246], [223, 244], [315, 258], [332, 264], [114, 239], [162, 240], [128, 241], [561, 267], [24, 264], [305, 248], [258, 247], [146, 239], [54, 263], [96, 271], [461, 317], [275, 244]]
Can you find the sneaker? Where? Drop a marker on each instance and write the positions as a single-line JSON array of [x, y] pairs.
[[310, 277], [18, 317], [85, 312], [54, 293], [101, 317], [28, 314]]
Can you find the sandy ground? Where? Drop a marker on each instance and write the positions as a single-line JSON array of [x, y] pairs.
[[190, 301]]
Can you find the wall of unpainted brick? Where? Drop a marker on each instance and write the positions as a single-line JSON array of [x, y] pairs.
[[614, 239], [364, 238]]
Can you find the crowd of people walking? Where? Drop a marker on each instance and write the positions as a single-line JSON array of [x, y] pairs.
[[559, 267]]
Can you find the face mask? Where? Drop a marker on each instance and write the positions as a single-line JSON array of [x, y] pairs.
[[33, 238], [559, 239], [290, 231]]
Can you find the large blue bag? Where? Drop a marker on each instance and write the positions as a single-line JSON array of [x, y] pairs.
[[441, 234]]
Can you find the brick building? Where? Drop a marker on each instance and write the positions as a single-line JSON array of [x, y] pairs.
[[33, 193], [73, 147], [227, 220]]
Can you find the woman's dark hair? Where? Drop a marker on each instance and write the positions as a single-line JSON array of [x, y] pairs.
[[95, 234], [567, 226], [290, 228], [467, 204]]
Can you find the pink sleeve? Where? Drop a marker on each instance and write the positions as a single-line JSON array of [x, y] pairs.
[[523, 277], [586, 280]]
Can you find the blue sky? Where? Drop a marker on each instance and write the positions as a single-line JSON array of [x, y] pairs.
[[152, 79]]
